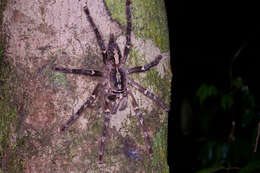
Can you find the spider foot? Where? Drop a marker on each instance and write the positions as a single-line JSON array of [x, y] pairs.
[[63, 129], [150, 152], [86, 9], [100, 158]]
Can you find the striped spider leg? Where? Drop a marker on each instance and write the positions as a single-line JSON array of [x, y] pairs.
[[89, 101], [149, 95], [107, 112]]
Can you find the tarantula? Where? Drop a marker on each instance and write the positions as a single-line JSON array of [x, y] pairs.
[[114, 82]]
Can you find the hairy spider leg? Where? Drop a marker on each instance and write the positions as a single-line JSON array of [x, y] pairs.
[[141, 121], [116, 105], [79, 71], [123, 103], [145, 67], [118, 52], [98, 36], [120, 100], [113, 51], [128, 31], [148, 94], [89, 101], [103, 137], [105, 127]]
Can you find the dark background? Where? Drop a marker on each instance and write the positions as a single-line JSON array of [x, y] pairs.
[[204, 35]]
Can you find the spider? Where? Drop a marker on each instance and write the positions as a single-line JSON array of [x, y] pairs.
[[113, 86]]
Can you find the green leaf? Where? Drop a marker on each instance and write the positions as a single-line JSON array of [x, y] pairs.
[[206, 91], [238, 82], [226, 101]]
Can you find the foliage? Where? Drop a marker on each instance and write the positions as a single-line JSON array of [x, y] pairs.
[[206, 91], [239, 103], [235, 113]]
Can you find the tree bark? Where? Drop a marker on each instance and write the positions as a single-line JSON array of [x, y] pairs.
[[45, 33]]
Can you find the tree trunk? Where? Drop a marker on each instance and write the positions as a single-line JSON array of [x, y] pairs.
[[44, 33]]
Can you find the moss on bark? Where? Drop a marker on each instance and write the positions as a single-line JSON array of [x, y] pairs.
[[149, 19], [10, 158], [77, 149]]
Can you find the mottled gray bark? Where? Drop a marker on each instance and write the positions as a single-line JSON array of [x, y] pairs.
[[47, 32]]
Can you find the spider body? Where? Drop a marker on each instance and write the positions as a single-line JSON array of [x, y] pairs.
[[114, 85]]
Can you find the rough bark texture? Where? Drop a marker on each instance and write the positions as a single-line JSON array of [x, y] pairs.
[[46, 32]]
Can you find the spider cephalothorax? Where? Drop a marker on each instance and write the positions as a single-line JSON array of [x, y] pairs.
[[113, 87]]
